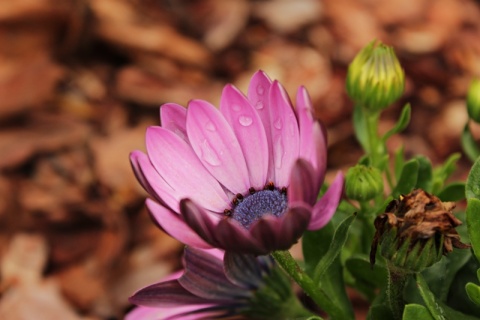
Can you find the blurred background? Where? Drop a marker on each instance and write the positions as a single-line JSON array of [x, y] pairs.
[[80, 80]]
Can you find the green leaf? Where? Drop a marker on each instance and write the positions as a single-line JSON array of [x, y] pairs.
[[441, 174], [315, 245], [408, 178], [473, 292], [469, 145], [472, 189], [399, 162], [473, 224], [416, 312], [438, 309], [425, 174], [360, 127], [401, 124], [366, 278], [453, 192], [338, 241]]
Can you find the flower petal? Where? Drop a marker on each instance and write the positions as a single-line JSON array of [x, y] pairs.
[[176, 162], [232, 236], [166, 294], [303, 184], [200, 220], [172, 224], [258, 95], [152, 182], [313, 142], [204, 277], [186, 312], [249, 131], [216, 146], [284, 132], [242, 270], [325, 208], [281, 233], [174, 118]]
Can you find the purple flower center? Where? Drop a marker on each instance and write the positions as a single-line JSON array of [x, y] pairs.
[[254, 206]]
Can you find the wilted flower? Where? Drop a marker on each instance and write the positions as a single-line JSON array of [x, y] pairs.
[[363, 183], [210, 288], [416, 231], [244, 178], [375, 78], [473, 100]]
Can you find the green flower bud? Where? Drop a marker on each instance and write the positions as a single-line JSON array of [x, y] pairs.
[[375, 78], [473, 100], [415, 232], [363, 183]]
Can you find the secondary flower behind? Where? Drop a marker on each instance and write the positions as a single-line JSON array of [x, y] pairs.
[[244, 178], [217, 285]]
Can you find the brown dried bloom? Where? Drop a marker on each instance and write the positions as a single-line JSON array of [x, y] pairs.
[[416, 230]]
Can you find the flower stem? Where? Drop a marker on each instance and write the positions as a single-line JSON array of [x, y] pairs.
[[371, 122], [397, 280], [285, 259]]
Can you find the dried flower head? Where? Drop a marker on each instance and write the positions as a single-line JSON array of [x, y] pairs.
[[416, 231]]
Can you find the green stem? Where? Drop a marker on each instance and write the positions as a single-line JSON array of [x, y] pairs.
[[286, 261], [367, 215], [371, 122], [396, 284]]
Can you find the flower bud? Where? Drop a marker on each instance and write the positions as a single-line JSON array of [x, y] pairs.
[[473, 100], [375, 78], [363, 183], [416, 231]]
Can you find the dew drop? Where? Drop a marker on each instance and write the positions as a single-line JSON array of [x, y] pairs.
[[209, 155], [278, 123], [259, 105], [236, 107], [245, 121], [278, 152], [210, 126], [260, 90]]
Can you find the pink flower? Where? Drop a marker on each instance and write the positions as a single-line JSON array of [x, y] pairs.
[[213, 285], [244, 178]]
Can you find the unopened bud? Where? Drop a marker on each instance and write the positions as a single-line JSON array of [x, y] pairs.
[[375, 78], [363, 183], [473, 100]]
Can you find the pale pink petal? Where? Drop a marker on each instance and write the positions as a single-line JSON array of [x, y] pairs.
[[258, 94], [250, 133], [285, 135], [216, 146], [174, 225], [319, 159], [152, 182], [312, 149], [325, 208], [146, 313], [176, 162], [173, 117]]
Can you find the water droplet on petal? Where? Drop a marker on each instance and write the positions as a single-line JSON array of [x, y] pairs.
[[278, 123], [279, 152], [210, 126], [209, 155], [236, 107], [259, 105], [245, 121], [260, 90], [292, 128]]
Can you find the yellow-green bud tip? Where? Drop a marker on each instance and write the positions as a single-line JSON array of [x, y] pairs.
[[363, 183], [375, 78], [473, 100]]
